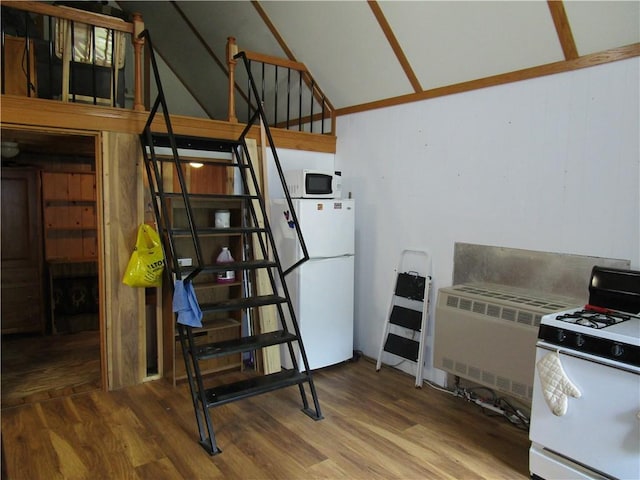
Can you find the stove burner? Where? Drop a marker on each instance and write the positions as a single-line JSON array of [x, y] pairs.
[[592, 319]]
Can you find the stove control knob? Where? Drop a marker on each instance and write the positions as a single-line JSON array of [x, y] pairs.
[[560, 335], [617, 350], [579, 340]]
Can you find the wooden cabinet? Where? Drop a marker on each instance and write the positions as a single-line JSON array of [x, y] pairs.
[[219, 326], [71, 248], [69, 211], [22, 298]]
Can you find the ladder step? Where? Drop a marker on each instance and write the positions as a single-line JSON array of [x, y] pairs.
[[223, 267], [410, 286], [253, 386], [209, 196], [403, 347], [178, 214], [195, 143], [239, 303], [185, 232], [243, 344], [206, 161], [406, 317]]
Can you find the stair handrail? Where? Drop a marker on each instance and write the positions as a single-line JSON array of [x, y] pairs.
[[132, 28], [261, 114], [161, 101], [327, 109]]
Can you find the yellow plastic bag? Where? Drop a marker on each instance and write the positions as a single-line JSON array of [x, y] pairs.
[[147, 260]]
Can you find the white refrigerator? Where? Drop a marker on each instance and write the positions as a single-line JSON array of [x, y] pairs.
[[321, 289]]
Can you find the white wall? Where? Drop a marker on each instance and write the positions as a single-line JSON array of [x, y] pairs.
[[549, 164]]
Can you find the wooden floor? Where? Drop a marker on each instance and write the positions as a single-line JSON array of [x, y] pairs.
[[36, 367], [376, 426]]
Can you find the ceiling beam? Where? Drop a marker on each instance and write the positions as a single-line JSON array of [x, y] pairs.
[[563, 29], [585, 61], [395, 45]]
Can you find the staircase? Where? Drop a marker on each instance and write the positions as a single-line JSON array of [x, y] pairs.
[[186, 232]]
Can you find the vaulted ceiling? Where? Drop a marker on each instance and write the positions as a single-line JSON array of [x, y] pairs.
[[365, 54]]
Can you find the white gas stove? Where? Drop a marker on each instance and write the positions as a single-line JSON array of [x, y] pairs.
[[585, 417]]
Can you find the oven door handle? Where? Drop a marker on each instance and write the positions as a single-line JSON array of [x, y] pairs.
[[587, 357]]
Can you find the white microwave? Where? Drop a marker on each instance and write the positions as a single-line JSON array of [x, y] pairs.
[[305, 183]]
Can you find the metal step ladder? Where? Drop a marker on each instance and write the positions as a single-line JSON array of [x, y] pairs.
[[405, 329], [258, 255]]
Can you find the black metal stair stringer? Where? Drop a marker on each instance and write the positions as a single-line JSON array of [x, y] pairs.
[[281, 274], [204, 399]]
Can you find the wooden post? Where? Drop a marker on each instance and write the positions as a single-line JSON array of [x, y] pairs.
[[232, 49], [138, 43]]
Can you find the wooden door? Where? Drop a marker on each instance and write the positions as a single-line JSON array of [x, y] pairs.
[[22, 309]]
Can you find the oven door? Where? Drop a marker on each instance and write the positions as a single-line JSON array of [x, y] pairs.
[[601, 428]]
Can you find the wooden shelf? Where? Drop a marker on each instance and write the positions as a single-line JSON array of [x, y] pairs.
[[217, 327], [210, 371], [63, 260], [53, 201], [68, 229], [220, 323], [203, 285], [215, 324], [209, 235]]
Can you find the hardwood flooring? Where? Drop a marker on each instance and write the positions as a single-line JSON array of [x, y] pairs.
[[36, 368], [376, 426]]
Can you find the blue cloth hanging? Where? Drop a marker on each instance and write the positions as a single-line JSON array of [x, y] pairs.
[[185, 304]]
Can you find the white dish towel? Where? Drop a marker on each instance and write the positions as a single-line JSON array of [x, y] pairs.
[[556, 386]]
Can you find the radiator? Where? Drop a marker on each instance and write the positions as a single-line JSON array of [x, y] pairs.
[[487, 334]]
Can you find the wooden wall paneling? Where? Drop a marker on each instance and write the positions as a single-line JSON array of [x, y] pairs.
[[99, 188], [55, 186], [89, 244], [153, 298], [123, 212], [207, 179], [69, 215], [75, 188], [88, 187], [88, 216]]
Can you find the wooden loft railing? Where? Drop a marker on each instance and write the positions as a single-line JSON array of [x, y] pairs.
[[290, 96], [31, 65]]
